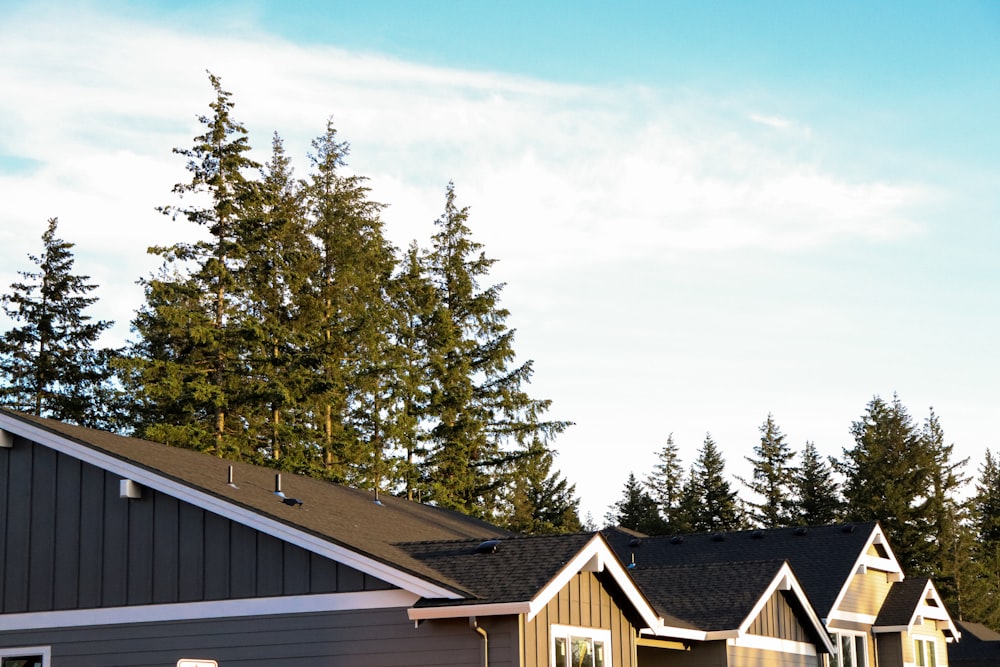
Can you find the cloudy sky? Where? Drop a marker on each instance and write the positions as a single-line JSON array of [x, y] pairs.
[[703, 212]]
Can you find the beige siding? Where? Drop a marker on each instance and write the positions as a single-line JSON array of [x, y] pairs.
[[927, 631], [779, 619], [866, 593], [583, 602], [749, 657]]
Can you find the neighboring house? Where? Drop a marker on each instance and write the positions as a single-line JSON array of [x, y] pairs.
[[849, 574], [117, 551], [980, 646]]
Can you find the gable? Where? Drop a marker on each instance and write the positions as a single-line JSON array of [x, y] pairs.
[[779, 619], [70, 541]]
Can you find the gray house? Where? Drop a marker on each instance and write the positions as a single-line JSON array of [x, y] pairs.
[[118, 551]]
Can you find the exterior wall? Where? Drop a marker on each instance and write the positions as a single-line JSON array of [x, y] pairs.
[[929, 630], [699, 654], [740, 656], [866, 593], [584, 602], [373, 638], [68, 541], [779, 619]]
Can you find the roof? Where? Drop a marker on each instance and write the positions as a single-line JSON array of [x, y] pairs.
[[979, 647], [908, 603], [336, 514], [708, 596], [822, 557]]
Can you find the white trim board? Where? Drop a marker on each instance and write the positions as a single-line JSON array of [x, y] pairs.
[[224, 508], [197, 611]]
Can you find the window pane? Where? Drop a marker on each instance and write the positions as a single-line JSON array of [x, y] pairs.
[[834, 660], [861, 657], [598, 654], [846, 651], [919, 646], [561, 652], [22, 661], [583, 651], [931, 654]]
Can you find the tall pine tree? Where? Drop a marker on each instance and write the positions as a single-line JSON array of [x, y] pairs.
[[713, 504], [484, 421], [49, 366], [666, 486], [815, 492], [636, 510], [541, 500], [773, 476]]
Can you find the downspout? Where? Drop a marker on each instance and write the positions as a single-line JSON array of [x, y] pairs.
[[486, 640]]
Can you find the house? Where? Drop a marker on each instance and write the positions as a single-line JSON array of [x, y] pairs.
[[849, 573], [117, 551], [980, 646]]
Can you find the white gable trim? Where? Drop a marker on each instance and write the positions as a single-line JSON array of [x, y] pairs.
[[863, 563], [226, 509], [195, 611]]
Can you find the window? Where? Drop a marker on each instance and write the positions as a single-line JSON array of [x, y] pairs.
[[24, 657], [580, 647], [849, 649], [924, 652]]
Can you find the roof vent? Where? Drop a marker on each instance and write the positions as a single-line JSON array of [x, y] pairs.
[[800, 531], [847, 528], [488, 547], [635, 541], [229, 479], [677, 539], [718, 537], [757, 535]]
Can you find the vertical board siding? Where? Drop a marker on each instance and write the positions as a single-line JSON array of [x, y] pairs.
[[372, 638], [583, 602], [68, 541], [779, 619]]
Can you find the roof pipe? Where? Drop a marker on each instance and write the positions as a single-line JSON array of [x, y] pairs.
[[486, 640]]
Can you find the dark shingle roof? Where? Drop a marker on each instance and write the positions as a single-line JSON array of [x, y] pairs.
[[515, 572], [901, 602], [706, 596], [822, 557], [341, 515], [979, 646]]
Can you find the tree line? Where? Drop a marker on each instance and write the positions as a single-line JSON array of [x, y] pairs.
[[293, 334], [897, 472]]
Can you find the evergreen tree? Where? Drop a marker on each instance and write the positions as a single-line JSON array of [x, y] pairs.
[[815, 492], [350, 346], [981, 590], [888, 477], [666, 485], [773, 477], [483, 420], [636, 510], [542, 502], [187, 366], [718, 508], [49, 366]]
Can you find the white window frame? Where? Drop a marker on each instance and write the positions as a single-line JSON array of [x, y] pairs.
[[44, 651], [837, 637], [567, 631], [929, 651]]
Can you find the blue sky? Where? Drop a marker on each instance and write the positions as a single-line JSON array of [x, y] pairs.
[[703, 211]]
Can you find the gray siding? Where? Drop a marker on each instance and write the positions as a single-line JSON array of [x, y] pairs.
[[67, 541], [374, 638]]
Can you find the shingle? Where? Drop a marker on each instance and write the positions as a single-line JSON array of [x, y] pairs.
[[822, 557], [901, 602]]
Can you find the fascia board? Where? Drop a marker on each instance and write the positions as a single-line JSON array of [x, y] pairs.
[[227, 509], [880, 564], [183, 611], [465, 610], [675, 633]]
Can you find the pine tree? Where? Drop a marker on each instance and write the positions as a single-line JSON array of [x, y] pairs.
[[541, 501], [666, 485], [636, 510], [187, 365], [718, 507], [483, 420], [773, 477], [815, 492], [350, 346], [981, 589], [888, 475], [49, 366]]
